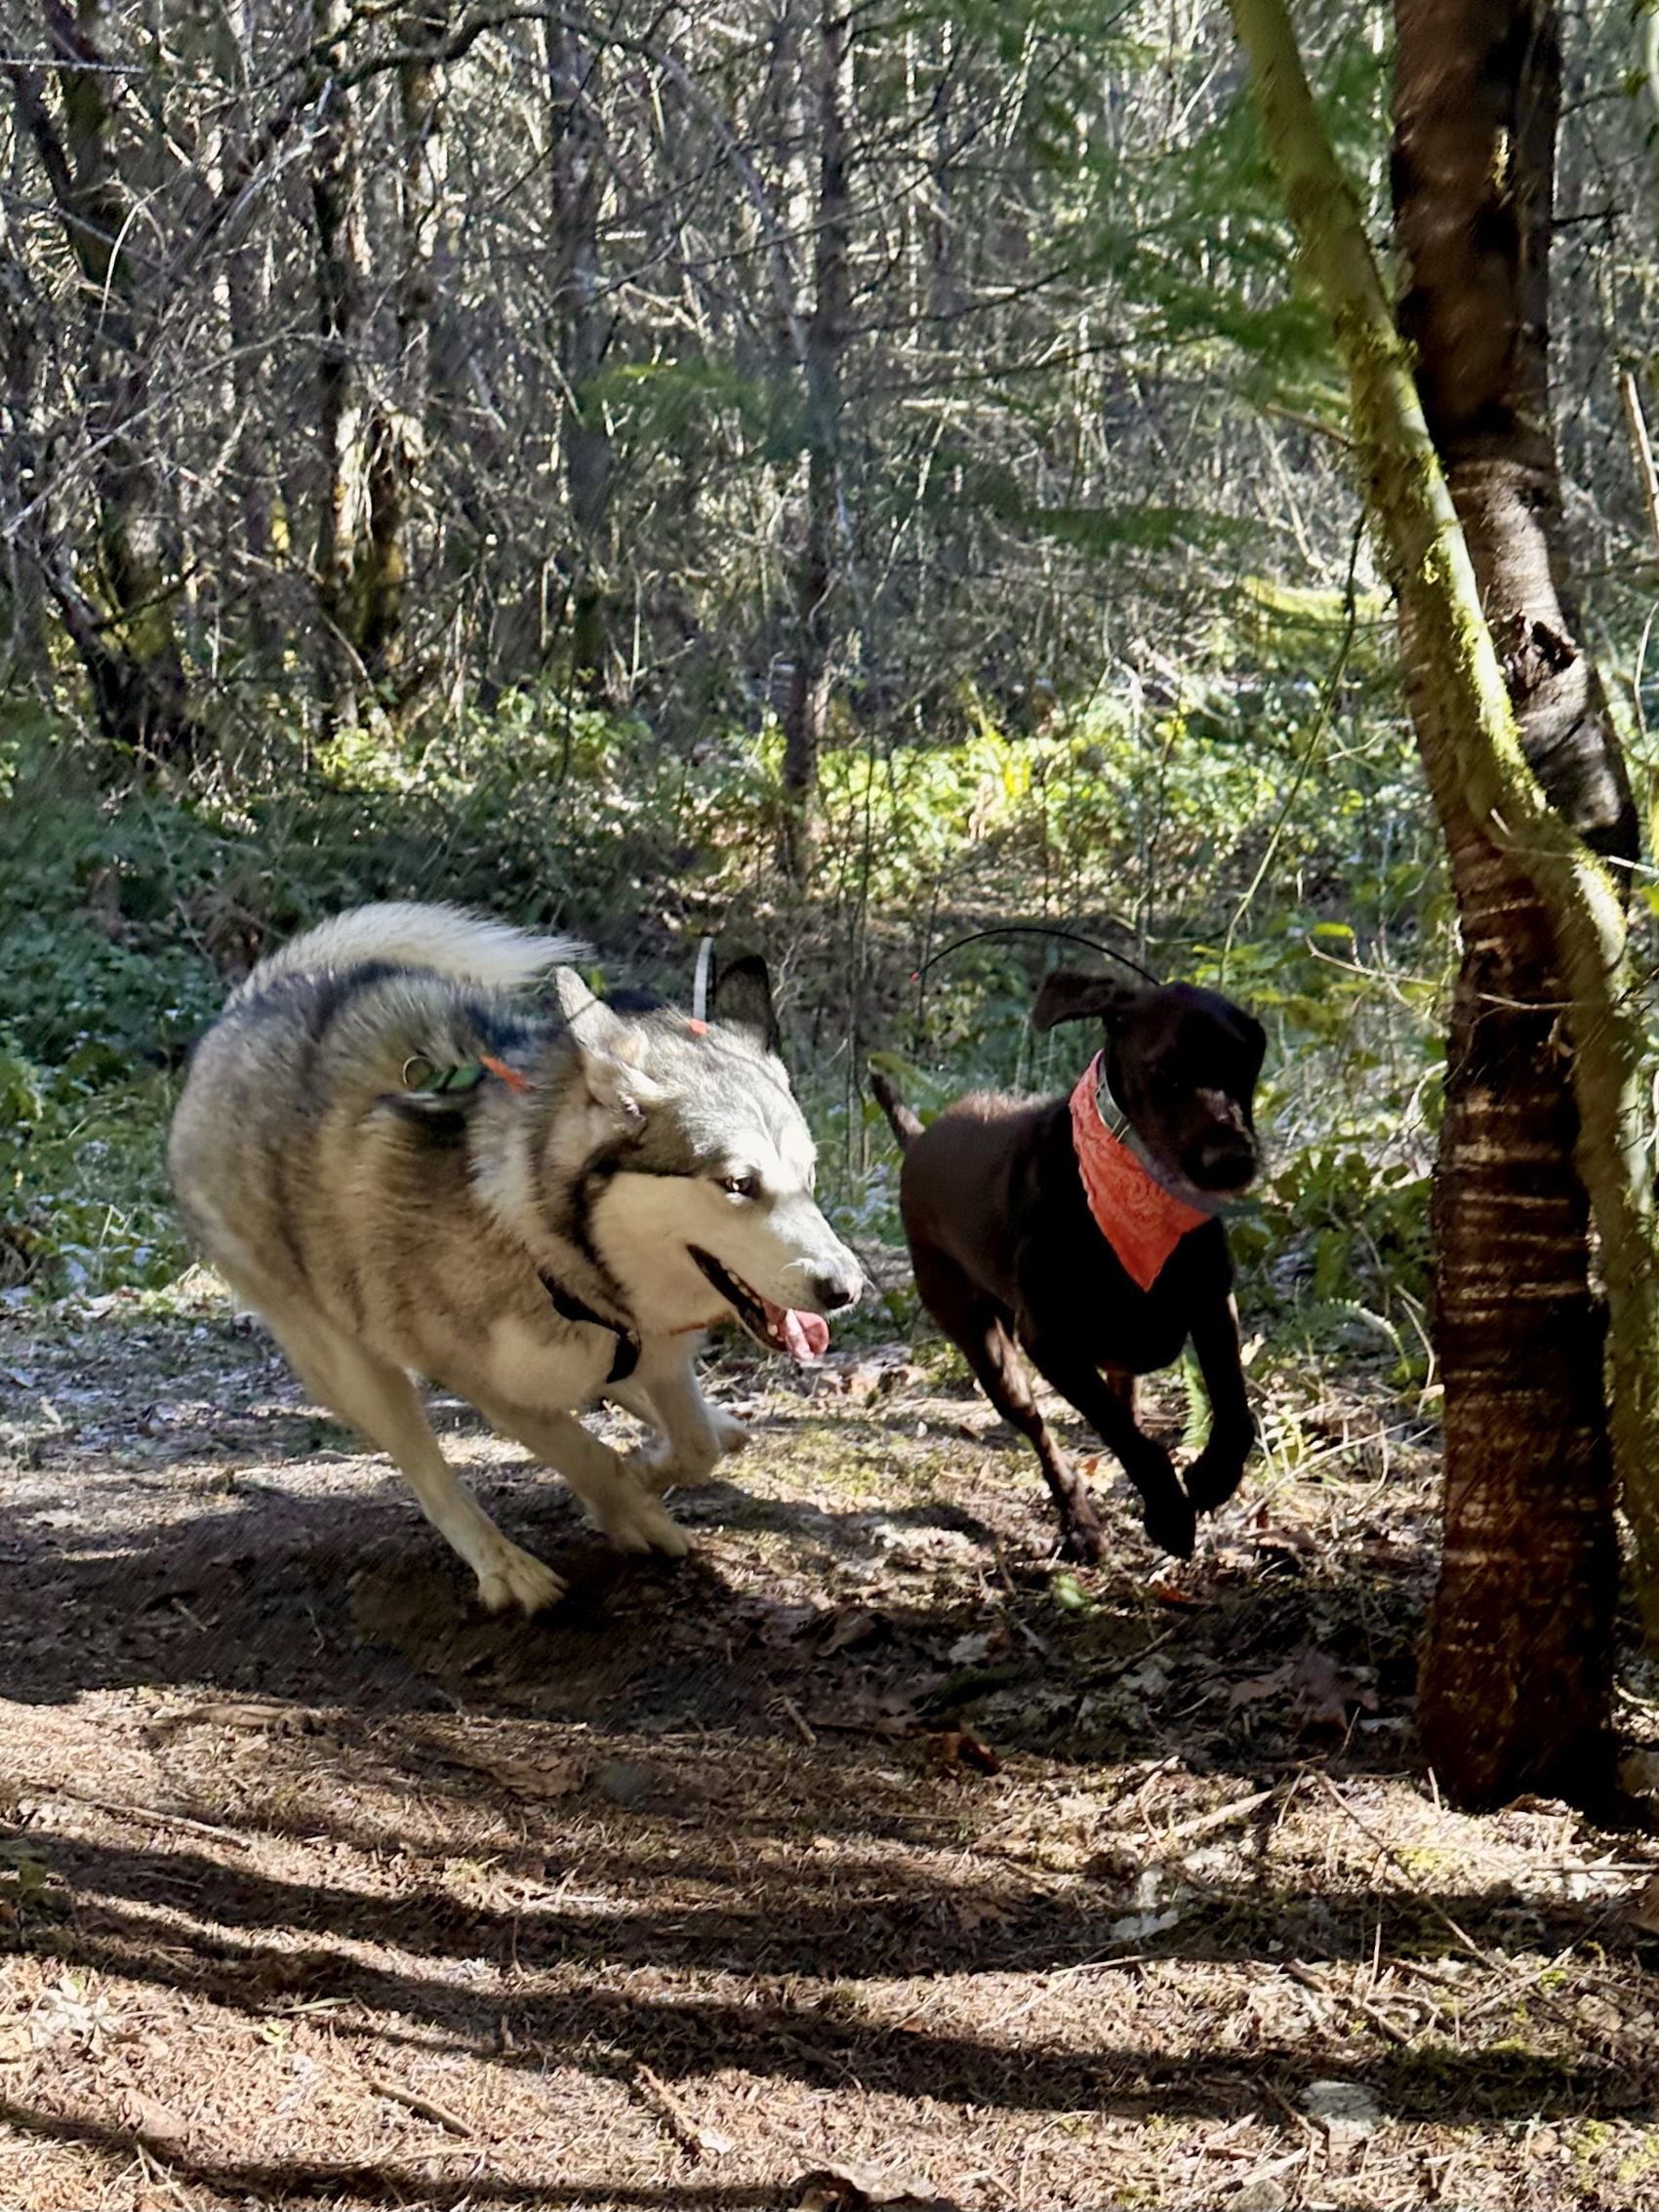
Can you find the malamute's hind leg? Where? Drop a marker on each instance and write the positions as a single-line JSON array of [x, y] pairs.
[[381, 1401]]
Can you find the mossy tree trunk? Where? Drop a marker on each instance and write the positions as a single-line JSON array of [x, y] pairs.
[[1544, 925], [1517, 1687]]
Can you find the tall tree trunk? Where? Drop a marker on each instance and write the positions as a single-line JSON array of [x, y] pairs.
[[246, 289], [1471, 749], [128, 644], [581, 337], [370, 444], [816, 568], [247, 294], [1516, 1689], [24, 653], [396, 433], [337, 211]]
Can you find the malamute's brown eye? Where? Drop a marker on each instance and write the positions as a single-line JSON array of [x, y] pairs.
[[741, 1186]]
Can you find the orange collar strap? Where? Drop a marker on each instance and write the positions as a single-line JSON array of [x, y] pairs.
[[464, 1076], [511, 1077]]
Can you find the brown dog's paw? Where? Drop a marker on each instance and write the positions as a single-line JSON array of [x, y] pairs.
[[1212, 1478], [1084, 1539], [1172, 1522]]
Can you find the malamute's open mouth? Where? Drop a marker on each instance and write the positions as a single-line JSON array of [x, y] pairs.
[[780, 1328]]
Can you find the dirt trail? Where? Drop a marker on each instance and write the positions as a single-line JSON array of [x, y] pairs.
[[869, 1856]]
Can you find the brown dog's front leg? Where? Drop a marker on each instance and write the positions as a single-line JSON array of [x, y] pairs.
[[1219, 1469], [994, 1359], [1166, 1509]]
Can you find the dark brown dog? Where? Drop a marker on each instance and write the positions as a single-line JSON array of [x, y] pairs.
[[1006, 1249]]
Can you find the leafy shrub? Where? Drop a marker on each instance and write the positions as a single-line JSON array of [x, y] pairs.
[[1186, 824]]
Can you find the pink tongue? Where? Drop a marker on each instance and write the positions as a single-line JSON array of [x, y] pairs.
[[807, 1334]]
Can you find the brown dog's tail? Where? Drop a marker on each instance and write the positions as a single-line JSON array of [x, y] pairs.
[[905, 1123]]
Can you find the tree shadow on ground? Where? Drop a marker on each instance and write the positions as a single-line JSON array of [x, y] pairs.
[[856, 1915], [778, 2006], [385, 2181], [346, 1598]]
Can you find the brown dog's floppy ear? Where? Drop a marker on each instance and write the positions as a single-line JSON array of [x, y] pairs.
[[1068, 997], [742, 996]]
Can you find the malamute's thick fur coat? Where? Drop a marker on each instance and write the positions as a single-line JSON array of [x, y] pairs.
[[555, 1222]]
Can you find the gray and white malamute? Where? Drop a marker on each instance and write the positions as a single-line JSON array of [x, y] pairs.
[[408, 1172]]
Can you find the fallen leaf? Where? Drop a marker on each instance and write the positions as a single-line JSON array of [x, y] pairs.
[[961, 1747], [526, 1778], [847, 1626], [976, 1913], [1268, 2194], [238, 1714], [150, 2117], [786, 1623], [878, 1378], [1644, 1907], [15, 2042], [622, 1781], [1341, 2103], [536, 1778], [880, 1712], [845, 2186], [1324, 1694], [1171, 1593], [979, 1643], [1255, 1687], [1267, 1538], [30, 1875], [1136, 1927]]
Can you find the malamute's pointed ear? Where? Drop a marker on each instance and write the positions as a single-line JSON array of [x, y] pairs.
[[608, 1050], [615, 1083], [742, 996], [1068, 997], [572, 993]]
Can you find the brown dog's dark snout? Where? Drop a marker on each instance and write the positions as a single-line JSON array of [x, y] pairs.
[[1182, 1064], [1224, 1109], [1224, 1156]]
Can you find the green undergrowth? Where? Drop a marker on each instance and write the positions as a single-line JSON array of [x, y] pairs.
[[1246, 833]]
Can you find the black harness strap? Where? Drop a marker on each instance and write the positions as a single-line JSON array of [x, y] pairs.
[[570, 1307]]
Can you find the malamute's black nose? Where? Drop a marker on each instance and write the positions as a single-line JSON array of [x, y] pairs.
[[832, 1292]]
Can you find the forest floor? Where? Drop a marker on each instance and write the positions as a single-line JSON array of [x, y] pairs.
[[869, 1856]]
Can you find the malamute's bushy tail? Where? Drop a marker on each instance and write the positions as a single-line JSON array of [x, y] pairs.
[[415, 935]]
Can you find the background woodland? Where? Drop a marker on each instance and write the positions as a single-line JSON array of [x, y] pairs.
[[832, 477]]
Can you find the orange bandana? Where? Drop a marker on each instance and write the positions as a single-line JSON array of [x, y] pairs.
[[1141, 1221]]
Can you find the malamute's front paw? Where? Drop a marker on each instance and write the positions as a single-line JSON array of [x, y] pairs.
[[634, 1521], [730, 1434], [660, 1466], [512, 1577]]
